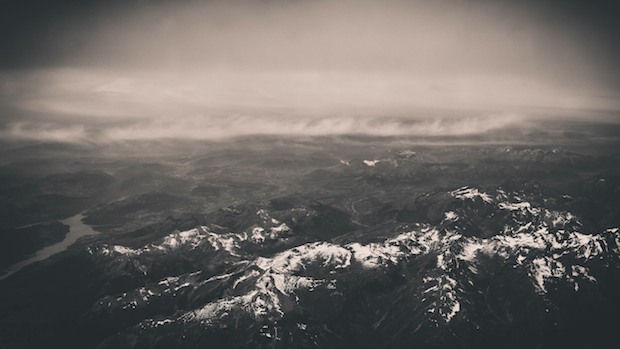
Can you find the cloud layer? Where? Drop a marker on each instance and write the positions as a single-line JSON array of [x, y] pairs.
[[205, 70], [216, 128]]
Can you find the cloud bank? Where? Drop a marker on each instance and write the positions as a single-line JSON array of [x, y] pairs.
[[217, 128], [209, 70]]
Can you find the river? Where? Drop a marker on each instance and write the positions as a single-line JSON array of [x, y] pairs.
[[77, 229]]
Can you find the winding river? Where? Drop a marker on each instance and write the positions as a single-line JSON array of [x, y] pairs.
[[77, 229]]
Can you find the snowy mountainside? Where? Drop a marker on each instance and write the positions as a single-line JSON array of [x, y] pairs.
[[435, 270], [348, 242]]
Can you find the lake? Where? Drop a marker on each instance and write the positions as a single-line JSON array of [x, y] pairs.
[[77, 229]]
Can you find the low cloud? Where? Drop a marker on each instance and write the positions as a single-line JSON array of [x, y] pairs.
[[69, 105], [44, 132], [217, 128], [98, 94]]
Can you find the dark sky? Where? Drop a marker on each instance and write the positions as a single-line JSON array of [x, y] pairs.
[[71, 67], [37, 33]]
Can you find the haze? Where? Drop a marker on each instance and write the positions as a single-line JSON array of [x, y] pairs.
[[152, 70]]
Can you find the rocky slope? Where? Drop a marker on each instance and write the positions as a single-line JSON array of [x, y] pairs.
[[492, 255]]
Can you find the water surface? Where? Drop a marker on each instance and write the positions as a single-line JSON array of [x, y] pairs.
[[77, 229]]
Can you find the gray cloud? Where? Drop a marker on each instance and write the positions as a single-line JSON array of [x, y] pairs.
[[216, 128], [210, 69]]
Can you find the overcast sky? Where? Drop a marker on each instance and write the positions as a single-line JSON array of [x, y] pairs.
[[71, 70]]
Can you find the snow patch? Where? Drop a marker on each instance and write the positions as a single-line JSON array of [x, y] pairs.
[[470, 250], [467, 193], [544, 268], [299, 257], [451, 216]]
